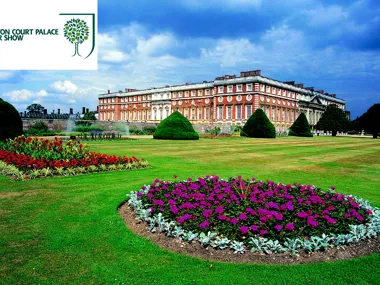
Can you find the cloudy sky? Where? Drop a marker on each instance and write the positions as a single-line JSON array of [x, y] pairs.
[[328, 44]]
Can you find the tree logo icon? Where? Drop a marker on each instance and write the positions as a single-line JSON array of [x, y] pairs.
[[76, 32]]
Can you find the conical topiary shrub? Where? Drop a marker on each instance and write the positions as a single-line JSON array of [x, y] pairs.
[[258, 126], [175, 127], [301, 127], [10, 121]]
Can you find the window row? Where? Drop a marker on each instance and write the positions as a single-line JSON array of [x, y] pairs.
[[226, 112], [190, 93]]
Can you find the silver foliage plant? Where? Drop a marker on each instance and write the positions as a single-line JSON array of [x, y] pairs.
[[260, 244]]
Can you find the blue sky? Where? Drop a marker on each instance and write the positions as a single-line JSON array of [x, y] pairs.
[[330, 45]]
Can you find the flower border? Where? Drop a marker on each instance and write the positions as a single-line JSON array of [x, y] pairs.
[[261, 245]]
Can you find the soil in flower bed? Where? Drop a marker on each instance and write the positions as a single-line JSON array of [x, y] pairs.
[[195, 249]]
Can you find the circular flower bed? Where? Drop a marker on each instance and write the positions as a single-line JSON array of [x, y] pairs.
[[261, 216]]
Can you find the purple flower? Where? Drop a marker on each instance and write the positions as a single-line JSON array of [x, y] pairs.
[[263, 232], [278, 227], [174, 209], [207, 213], [347, 215], [277, 216], [219, 209], [187, 216], [369, 212], [312, 222], [289, 227], [180, 220], [204, 224], [254, 228], [139, 194], [333, 188], [331, 220], [244, 230], [222, 217], [149, 195], [158, 202], [243, 217], [302, 214], [171, 202], [272, 205], [234, 221]]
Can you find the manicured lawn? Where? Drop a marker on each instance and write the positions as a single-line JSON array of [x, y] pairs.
[[67, 230]]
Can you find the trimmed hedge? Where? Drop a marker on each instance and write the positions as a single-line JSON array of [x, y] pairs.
[[301, 127], [10, 121], [175, 127], [258, 126]]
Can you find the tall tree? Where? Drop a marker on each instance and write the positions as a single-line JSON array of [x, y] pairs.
[[35, 108], [334, 120], [89, 116], [371, 120]]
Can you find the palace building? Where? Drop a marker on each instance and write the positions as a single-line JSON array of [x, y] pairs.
[[226, 100]]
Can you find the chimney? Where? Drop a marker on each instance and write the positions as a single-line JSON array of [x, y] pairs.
[[300, 85], [87, 110], [333, 95], [53, 111], [289, 82], [109, 91], [321, 91], [250, 73], [83, 110], [309, 88], [45, 111], [24, 113], [71, 111], [59, 111]]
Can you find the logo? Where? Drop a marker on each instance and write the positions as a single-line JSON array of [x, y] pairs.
[[76, 31]]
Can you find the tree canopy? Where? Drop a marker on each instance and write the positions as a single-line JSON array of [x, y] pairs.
[[258, 126], [301, 127], [89, 116], [10, 121], [371, 120], [334, 120], [35, 108]]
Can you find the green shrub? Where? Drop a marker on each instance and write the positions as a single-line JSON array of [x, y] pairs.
[[175, 127], [150, 130], [258, 126], [301, 127], [10, 121], [215, 131], [39, 126]]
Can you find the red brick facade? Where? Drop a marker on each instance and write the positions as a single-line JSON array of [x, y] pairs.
[[226, 100]]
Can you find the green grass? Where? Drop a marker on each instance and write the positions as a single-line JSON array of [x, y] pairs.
[[67, 230]]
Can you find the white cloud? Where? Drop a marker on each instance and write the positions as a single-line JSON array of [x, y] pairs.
[[24, 95], [63, 87], [155, 44], [113, 56]]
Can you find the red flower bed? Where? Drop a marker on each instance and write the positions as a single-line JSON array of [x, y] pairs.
[[26, 162], [29, 155]]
